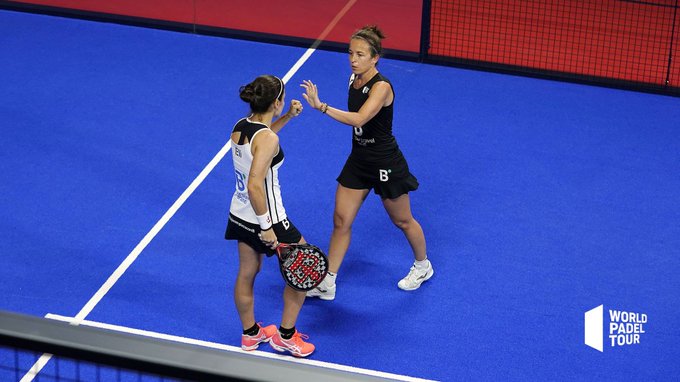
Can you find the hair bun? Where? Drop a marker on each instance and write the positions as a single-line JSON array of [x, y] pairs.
[[374, 29], [247, 93], [261, 93]]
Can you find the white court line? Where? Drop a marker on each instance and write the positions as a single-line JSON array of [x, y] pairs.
[[108, 284], [235, 349]]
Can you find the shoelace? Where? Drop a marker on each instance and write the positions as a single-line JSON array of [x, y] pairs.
[[413, 274], [298, 337]]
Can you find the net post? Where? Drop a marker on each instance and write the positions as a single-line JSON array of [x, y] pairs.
[[425, 30]]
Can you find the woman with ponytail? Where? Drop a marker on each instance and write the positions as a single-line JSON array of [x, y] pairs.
[[376, 162]]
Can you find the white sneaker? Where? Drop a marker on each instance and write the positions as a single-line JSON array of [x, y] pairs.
[[416, 277], [324, 291]]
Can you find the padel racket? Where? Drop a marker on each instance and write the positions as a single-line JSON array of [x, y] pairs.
[[302, 266]]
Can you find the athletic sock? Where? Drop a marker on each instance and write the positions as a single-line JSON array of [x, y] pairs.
[[286, 334], [422, 264], [252, 330]]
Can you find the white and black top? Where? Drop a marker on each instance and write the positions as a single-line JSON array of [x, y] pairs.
[[243, 159]]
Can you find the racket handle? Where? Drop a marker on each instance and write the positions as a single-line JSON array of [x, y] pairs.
[[280, 247]]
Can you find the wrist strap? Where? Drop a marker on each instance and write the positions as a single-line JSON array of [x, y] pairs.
[[265, 221]]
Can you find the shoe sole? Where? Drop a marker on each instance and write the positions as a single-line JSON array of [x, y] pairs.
[[322, 297], [283, 350], [427, 277], [249, 348]]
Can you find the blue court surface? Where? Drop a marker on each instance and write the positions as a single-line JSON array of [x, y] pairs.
[[540, 201]]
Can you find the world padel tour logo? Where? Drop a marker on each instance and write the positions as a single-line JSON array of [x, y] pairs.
[[625, 328]]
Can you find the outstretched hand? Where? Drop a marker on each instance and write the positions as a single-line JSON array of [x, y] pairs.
[[311, 94], [295, 108]]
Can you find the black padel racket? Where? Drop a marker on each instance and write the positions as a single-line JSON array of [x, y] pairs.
[[303, 266]]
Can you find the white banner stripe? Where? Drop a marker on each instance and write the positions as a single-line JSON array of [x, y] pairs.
[[318, 41]]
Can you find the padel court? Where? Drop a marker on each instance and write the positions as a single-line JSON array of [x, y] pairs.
[[540, 200]]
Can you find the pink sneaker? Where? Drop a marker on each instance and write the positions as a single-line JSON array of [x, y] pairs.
[[264, 335], [295, 346]]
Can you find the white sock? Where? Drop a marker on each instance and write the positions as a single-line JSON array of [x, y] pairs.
[[330, 278], [422, 264]]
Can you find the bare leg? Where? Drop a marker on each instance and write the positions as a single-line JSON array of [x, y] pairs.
[[249, 265], [347, 204], [399, 210], [292, 303]]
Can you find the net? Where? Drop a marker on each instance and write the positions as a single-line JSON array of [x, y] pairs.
[[16, 364], [611, 41], [81, 353]]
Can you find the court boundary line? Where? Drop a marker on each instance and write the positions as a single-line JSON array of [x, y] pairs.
[[115, 276], [118, 273], [234, 349]]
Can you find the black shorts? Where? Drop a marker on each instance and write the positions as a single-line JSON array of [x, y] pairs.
[[389, 180], [241, 230]]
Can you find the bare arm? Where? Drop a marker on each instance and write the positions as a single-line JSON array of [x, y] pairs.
[[264, 147], [294, 110], [377, 98]]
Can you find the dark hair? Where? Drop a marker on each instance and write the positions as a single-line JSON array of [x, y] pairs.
[[373, 36], [262, 92]]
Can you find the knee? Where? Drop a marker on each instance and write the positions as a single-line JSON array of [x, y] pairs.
[[403, 224], [248, 275], [341, 222]]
